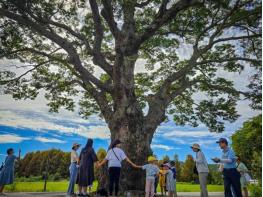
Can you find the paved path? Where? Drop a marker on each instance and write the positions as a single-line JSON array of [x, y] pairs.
[[55, 194]]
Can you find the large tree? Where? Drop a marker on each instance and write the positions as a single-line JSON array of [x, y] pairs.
[[62, 42], [247, 143]]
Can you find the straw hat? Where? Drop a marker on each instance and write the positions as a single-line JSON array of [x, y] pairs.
[[151, 158], [197, 146], [75, 145]]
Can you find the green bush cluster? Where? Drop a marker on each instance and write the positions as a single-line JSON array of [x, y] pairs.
[[255, 190]]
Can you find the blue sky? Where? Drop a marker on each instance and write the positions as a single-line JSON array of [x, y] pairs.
[[28, 125]]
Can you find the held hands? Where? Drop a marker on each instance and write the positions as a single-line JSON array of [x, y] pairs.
[[216, 160], [98, 165], [136, 166]]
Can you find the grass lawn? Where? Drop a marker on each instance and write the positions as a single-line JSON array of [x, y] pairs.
[[61, 186]]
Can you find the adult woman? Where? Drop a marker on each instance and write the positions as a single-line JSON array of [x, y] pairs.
[[242, 169], [7, 172], [114, 157], [73, 168], [86, 168], [202, 169]]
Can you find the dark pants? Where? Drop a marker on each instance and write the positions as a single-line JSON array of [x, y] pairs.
[[114, 173], [156, 184], [232, 179]]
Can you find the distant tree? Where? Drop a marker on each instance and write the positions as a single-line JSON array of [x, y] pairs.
[[214, 175], [187, 173], [166, 159], [160, 162], [22, 167], [36, 164], [178, 167], [247, 143]]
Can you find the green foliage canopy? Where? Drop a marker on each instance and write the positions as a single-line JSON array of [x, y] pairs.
[[62, 43], [247, 143]]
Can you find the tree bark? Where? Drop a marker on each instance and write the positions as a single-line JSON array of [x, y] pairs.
[[136, 145], [128, 123]]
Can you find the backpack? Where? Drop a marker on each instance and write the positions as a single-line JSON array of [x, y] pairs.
[[174, 172], [2, 166]]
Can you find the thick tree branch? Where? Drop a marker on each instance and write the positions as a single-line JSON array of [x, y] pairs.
[[164, 15], [229, 60], [107, 13], [236, 38], [74, 59], [101, 100], [142, 4], [226, 89], [99, 58], [4, 82], [159, 103], [98, 34]]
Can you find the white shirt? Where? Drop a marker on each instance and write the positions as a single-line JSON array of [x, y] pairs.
[[73, 156], [115, 160], [201, 163]]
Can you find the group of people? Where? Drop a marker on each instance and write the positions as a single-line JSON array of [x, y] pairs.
[[82, 171], [233, 171]]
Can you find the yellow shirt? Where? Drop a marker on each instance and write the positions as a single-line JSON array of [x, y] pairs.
[[162, 178]]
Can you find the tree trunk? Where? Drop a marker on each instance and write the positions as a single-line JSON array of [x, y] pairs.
[[136, 145], [129, 124], [136, 139]]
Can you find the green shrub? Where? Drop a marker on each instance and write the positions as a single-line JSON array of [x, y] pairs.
[[12, 187], [29, 179], [55, 177], [255, 190]]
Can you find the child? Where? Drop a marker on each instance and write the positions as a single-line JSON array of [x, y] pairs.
[[152, 171], [7, 173], [162, 182], [102, 176], [173, 169], [170, 182]]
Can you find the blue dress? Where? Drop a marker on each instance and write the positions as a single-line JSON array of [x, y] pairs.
[[7, 173]]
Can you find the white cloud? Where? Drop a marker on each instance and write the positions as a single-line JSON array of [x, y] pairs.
[[8, 138], [12, 119], [192, 134], [94, 132], [161, 146], [49, 140]]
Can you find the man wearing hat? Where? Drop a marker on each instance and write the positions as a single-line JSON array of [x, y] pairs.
[[202, 169], [230, 173]]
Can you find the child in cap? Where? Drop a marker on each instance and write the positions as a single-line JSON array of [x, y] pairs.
[[152, 171], [170, 181]]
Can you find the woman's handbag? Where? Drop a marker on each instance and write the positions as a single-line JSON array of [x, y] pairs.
[[247, 177], [195, 170]]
